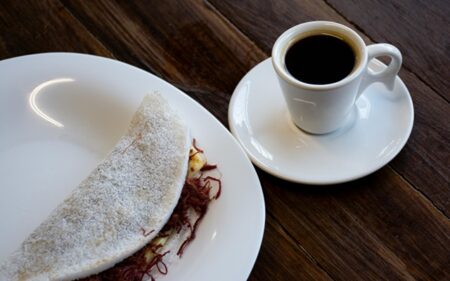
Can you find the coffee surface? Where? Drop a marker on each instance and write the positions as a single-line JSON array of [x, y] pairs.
[[320, 59]]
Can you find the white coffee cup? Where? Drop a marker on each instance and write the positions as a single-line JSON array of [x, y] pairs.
[[323, 108]]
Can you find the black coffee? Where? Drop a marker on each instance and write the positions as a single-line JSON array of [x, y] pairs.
[[320, 59]]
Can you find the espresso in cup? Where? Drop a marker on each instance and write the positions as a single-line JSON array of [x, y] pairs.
[[320, 59], [323, 68]]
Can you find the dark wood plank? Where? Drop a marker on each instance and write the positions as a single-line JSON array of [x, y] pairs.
[[419, 28], [263, 21], [376, 228], [42, 26], [181, 41], [281, 258]]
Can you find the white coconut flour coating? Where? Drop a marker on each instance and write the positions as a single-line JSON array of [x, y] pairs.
[[133, 190]]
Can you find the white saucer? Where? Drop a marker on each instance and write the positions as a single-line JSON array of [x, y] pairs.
[[376, 131]]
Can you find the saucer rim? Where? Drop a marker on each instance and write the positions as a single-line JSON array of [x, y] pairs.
[[319, 182]]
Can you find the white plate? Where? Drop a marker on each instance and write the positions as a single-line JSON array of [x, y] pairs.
[[61, 113], [376, 131]]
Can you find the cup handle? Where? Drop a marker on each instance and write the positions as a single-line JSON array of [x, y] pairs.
[[386, 76]]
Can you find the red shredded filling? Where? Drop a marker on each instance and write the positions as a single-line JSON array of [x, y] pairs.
[[147, 233], [194, 144], [208, 167], [135, 267], [195, 196]]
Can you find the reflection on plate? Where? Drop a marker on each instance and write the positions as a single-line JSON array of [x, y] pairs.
[[376, 131], [61, 113]]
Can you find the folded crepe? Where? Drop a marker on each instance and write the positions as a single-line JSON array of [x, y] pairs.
[[119, 208]]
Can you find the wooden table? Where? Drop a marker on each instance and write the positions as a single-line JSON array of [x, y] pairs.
[[393, 224]]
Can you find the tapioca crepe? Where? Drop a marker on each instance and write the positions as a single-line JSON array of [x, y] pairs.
[[119, 208]]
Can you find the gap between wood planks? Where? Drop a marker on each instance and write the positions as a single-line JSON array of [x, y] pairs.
[[422, 194], [111, 54], [143, 66], [298, 245]]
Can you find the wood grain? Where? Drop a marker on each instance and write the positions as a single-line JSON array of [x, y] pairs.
[[43, 26], [377, 228], [264, 21], [281, 258], [421, 35], [191, 47]]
